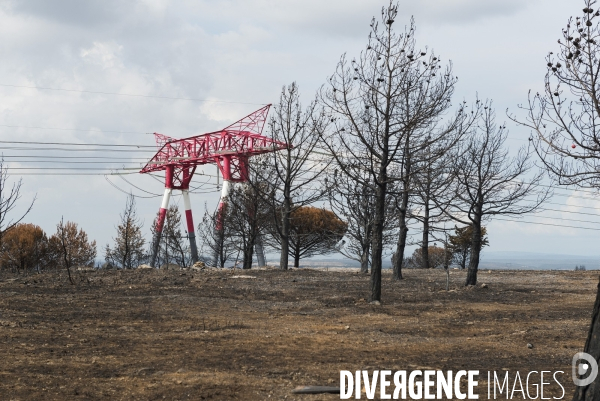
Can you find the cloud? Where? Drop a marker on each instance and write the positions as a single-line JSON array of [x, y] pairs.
[[227, 50], [452, 12], [105, 55], [73, 12]]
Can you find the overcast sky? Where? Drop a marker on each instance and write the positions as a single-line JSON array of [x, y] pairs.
[[237, 55]]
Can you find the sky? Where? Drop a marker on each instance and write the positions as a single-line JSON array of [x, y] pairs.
[[231, 57]]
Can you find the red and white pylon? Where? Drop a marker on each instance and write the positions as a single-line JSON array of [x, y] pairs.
[[164, 207], [241, 169], [228, 148]]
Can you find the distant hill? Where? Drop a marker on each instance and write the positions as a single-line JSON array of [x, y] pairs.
[[535, 261], [493, 260]]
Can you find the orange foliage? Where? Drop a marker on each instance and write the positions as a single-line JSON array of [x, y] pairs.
[[314, 231], [24, 247]]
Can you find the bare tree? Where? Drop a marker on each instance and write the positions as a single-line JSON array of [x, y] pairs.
[[128, 251], [565, 122], [565, 118], [9, 196], [431, 185], [216, 242], [354, 203], [385, 107], [490, 183], [296, 173], [247, 217], [70, 247], [176, 247]]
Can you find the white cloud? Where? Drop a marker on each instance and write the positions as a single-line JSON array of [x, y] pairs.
[[105, 55]]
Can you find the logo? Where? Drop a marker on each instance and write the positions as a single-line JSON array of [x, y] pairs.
[[581, 369]]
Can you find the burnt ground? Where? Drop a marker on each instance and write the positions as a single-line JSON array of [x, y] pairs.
[[212, 335]]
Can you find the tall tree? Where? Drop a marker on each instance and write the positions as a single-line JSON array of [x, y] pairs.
[[296, 175], [128, 251], [565, 121], [490, 183], [69, 247], [565, 118], [382, 106], [432, 182]]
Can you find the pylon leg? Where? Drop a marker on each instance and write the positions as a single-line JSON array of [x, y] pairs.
[[190, 224], [219, 226], [159, 225]]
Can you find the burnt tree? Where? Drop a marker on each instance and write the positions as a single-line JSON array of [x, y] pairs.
[[491, 183], [383, 105], [294, 173], [565, 124]]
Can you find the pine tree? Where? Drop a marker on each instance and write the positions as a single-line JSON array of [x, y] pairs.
[[69, 247], [128, 251]]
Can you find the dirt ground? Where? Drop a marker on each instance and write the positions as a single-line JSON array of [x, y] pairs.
[[221, 335]]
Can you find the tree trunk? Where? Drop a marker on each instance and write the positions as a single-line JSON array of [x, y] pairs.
[[377, 239], [364, 261], [401, 246], [475, 251], [591, 392], [247, 262], [297, 258], [425, 242], [285, 233]]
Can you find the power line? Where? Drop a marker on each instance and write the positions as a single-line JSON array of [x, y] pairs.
[[128, 193], [548, 224], [65, 162], [71, 150], [128, 94], [76, 129], [79, 144], [73, 157], [67, 168], [559, 218], [74, 174], [564, 204], [576, 196], [568, 211]]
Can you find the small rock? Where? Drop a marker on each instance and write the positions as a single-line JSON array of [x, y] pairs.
[[484, 285], [375, 303], [529, 345], [347, 328]]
